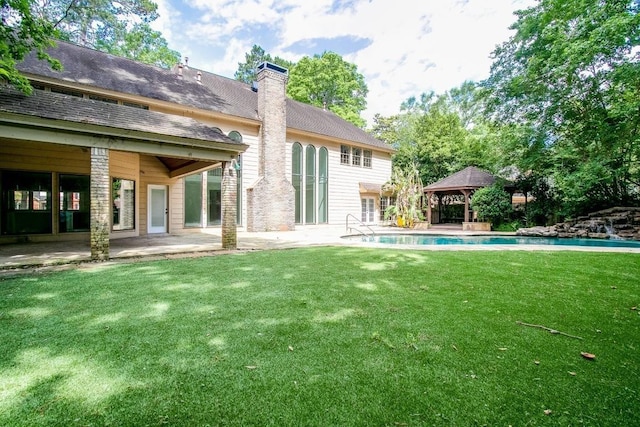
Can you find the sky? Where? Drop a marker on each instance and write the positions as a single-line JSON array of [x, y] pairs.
[[403, 48]]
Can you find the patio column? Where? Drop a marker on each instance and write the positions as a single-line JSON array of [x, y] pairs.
[[466, 193], [100, 188], [229, 206], [429, 194]]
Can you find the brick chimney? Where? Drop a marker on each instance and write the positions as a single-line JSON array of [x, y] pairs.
[[271, 199]]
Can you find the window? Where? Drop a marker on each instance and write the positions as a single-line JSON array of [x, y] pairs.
[[214, 196], [124, 197], [323, 186], [235, 135], [345, 152], [296, 179], [65, 91], [134, 105], [366, 158], [385, 202], [193, 200], [26, 206], [195, 211], [310, 185], [310, 179], [75, 204], [356, 155], [103, 99]]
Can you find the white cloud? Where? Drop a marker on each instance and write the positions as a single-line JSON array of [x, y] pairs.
[[414, 47]]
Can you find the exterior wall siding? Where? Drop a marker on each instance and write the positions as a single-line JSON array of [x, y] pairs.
[[176, 207], [344, 188], [35, 156]]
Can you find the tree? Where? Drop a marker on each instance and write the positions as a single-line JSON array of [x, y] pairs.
[[143, 44], [448, 132], [247, 70], [492, 204], [22, 32], [89, 22], [119, 27], [571, 74], [406, 186], [386, 128], [329, 82]]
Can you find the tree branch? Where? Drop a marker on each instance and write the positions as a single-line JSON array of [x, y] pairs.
[[552, 331]]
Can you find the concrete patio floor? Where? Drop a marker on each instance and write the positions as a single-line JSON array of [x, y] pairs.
[[42, 254], [30, 256]]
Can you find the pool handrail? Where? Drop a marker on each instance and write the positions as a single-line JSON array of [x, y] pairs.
[[373, 233]]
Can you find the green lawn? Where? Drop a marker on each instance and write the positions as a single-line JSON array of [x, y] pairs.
[[326, 337]]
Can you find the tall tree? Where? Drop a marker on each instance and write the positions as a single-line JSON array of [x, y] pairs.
[[329, 82], [446, 133], [247, 70], [143, 44], [120, 27], [20, 33], [386, 128], [571, 73], [87, 22]]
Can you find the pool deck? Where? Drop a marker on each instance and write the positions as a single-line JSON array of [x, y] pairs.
[[29, 256]]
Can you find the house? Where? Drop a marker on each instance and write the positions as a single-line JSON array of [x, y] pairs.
[[111, 148]]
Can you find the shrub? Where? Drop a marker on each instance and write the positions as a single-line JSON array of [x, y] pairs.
[[492, 204]]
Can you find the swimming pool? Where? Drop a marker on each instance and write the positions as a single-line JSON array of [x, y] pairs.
[[438, 239]]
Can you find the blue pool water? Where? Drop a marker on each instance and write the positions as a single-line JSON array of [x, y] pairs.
[[434, 239]]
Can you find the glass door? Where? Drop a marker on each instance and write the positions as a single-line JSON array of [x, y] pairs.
[[157, 209]]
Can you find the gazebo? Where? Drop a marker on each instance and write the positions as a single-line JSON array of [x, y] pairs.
[[464, 182]]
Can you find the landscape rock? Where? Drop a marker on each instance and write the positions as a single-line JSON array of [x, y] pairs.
[[613, 223]]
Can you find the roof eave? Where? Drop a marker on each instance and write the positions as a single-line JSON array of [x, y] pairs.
[[106, 132]]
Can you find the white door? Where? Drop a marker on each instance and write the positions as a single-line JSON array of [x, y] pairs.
[[157, 209], [368, 210]]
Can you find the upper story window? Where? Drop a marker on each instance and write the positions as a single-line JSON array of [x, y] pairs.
[[94, 97], [356, 156], [366, 158], [103, 99], [345, 154], [235, 135]]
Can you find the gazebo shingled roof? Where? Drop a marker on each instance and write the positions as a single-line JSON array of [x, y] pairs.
[[469, 178]]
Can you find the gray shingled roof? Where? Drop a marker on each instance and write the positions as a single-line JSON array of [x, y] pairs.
[[214, 93], [467, 179], [55, 106]]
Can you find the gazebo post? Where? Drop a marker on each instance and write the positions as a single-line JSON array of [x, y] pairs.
[[466, 193], [429, 194]]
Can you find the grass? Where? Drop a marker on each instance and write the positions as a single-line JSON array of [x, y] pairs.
[[325, 336]]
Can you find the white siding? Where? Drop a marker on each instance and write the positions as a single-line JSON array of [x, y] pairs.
[[344, 188]]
